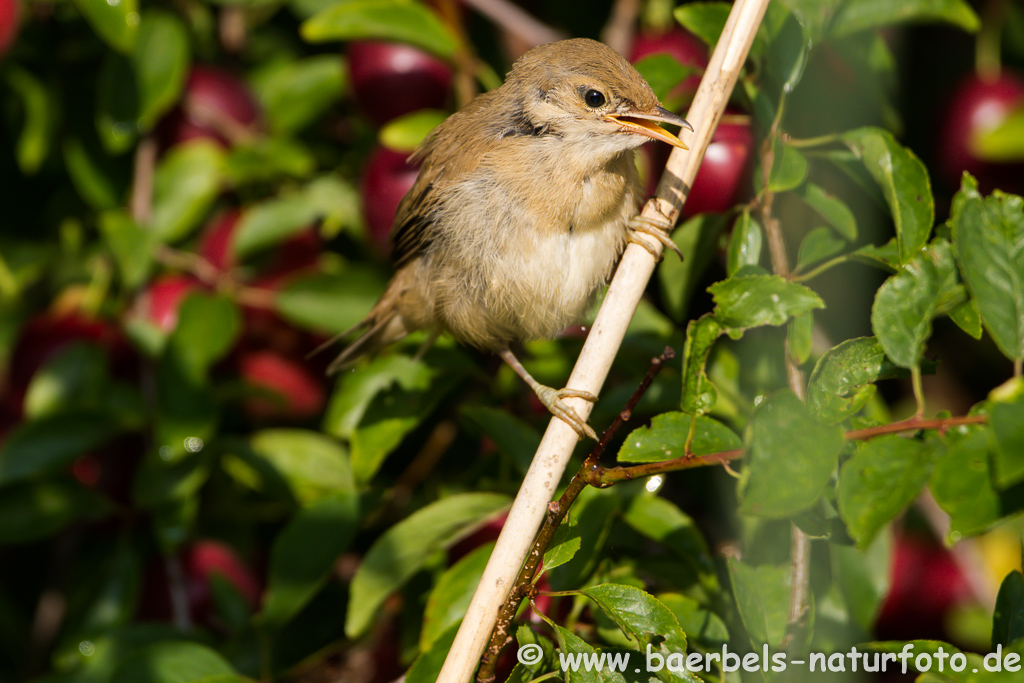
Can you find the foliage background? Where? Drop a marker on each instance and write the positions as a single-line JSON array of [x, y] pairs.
[[172, 509]]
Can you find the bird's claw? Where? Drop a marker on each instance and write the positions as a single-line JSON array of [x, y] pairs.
[[552, 400], [657, 228]]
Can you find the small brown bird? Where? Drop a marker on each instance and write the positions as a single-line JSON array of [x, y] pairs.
[[524, 202]]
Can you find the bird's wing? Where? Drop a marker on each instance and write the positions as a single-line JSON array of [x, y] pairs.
[[414, 220]]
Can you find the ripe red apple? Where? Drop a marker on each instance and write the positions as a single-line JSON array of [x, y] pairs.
[[216, 239], [391, 79], [9, 18], [299, 393], [386, 178], [975, 107], [685, 47], [160, 302], [216, 105], [723, 172]]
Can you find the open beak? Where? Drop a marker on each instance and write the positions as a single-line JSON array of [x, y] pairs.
[[646, 123]]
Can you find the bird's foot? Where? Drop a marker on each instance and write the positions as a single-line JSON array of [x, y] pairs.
[[658, 228], [552, 400]]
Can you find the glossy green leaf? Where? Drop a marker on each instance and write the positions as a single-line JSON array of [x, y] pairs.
[[904, 182], [961, 483], [403, 549], [296, 93], [884, 475], [1008, 617], [32, 510], [405, 133], [744, 244], [175, 662], [906, 303], [358, 387], [697, 239], [703, 19], [305, 551], [873, 14], [755, 300], [789, 167], [790, 457], [818, 245], [564, 544], [570, 644], [988, 238], [131, 246], [703, 628], [427, 667], [843, 379], [787, 51], [331, 303], [884, 257], [664, 73], [513, 437], [187, 181], [314, 465], [75, 379], [666, 436], [269, 160], [160, 60], [596, 510], [448, 601], [831, 208], [1002, 142], [800, 337], [762, 598], [116, 23], [401, 21], [699, 394], [1006, 417], [39, 116], [206, 331], [640, 616], [662, 521], [967, 317]]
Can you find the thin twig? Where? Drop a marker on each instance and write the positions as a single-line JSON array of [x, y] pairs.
[[141, 202], [516, 21]]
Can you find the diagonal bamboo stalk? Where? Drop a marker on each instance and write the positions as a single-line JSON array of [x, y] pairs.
[[602, 344]]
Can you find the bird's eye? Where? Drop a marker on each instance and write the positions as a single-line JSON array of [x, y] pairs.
[[594, 98]]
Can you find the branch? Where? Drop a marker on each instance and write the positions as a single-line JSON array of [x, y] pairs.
[[631, 277]]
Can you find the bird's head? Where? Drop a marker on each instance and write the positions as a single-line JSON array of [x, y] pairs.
[[583, 91]]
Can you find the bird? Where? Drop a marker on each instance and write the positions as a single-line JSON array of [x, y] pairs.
[[525, 200]]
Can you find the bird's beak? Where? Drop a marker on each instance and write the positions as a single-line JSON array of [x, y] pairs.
[[646, 123]]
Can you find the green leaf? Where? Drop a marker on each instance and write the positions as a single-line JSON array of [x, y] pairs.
[[664, 73], [294, 93], [988, 238], [206, 331], [755, 300], [967, 317], [699, 394], [49, 444], [884, 475], [1008, 617], [787, 51], [904, 182], [862, 578], [39, 118], [905, 304], [640, 616], [843, 379], [872, 14], [961, 483], [703, 19], [187, 181], [174, 662], [1006, 417], [698, 240], [305, 551], [405, 133], [117, 24], [117, 104], [564, 544], [1002, 142], [790, 458], [331, 303], [160, 61], [595, 511], [131, 246], [762, 598], [428, 665], [356, 389], [666, 437], [314, 465], [789, 167], [662, 521], [404, 548], [744, 244], [571, 644], [831, 208], [800, 337], [268, 160], [514, 438], [401, 21], [448, 601], [75, 379], [884, 257], [818, 245], [31, 510], [95, 178]]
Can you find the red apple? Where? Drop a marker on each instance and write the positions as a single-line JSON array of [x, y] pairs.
[[975, 107], [722, 175], [205, 559], [215, 241], [216, 105], [299, 394], [160, 302], [685, 47], [386, 178], [391, 79], [9, 18]]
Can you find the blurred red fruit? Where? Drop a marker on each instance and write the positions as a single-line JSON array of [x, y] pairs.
[[391, 79], [204, 559], [686, 48], [215, 242], [975, 107], [160, 302], [9, 18], [299, 394], [216, 105], [386, 179], [486, 534]]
